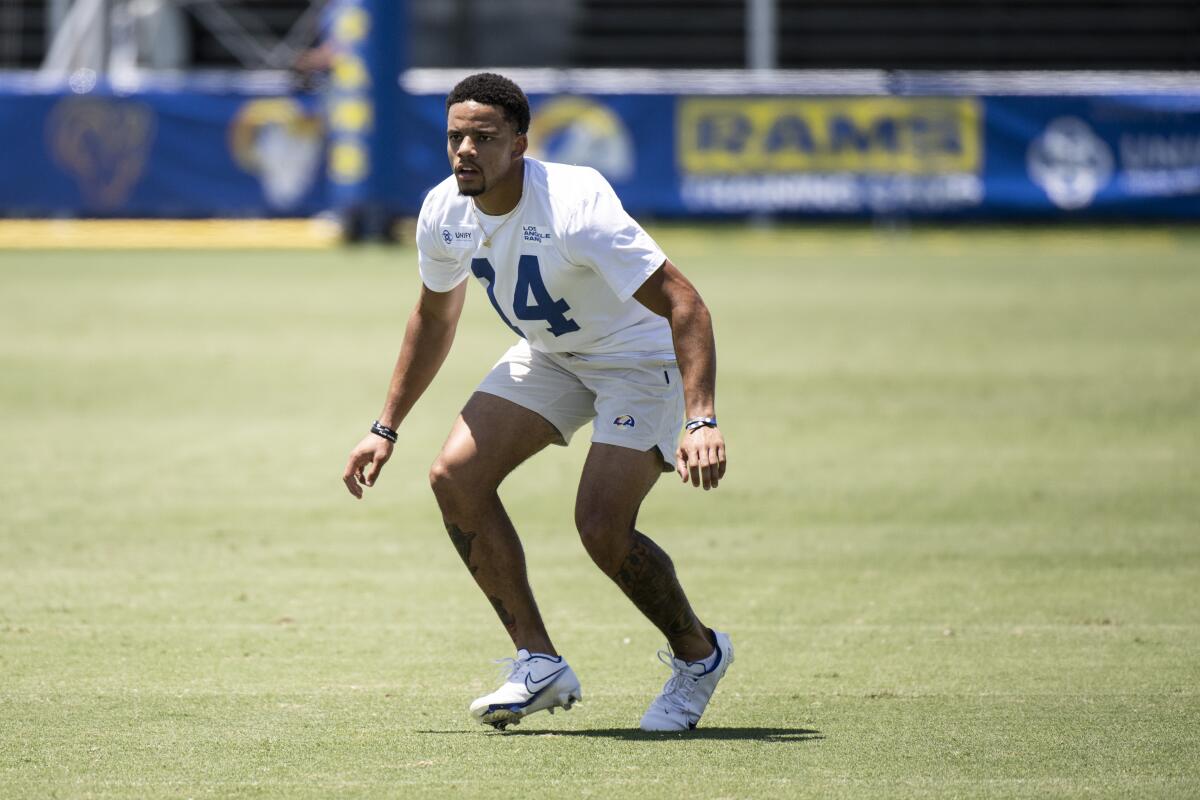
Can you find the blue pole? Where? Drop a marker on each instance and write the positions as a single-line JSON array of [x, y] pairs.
[[369, 42]]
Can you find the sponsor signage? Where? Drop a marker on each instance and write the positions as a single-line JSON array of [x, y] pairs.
[[844, 155], [882, 136]]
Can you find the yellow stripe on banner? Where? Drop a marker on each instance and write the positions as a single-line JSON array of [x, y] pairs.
[[216, 234]]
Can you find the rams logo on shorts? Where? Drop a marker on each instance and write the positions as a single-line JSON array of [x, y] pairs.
[[624, 420]]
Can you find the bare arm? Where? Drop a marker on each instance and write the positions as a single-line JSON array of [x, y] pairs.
[[701, 453], [427, 340]]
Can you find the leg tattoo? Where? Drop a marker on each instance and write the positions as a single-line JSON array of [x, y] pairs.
[[508, 620], [647, 576], [462, 543]]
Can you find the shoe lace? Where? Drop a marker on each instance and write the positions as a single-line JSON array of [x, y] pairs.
[[677, 691], [512, 669]]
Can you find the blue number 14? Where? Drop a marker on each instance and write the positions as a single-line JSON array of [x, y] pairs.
[[530, 287], [482, 268], [529, 284]]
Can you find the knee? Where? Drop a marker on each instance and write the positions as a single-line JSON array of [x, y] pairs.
[[449, 482], [606, 537]]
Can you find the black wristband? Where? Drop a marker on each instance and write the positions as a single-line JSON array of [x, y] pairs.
[[699, 422], [380, 429]]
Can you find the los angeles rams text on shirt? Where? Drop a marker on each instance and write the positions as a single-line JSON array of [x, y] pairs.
[[533, 234]]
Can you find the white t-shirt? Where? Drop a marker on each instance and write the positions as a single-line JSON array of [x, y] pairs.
[[562, 266]]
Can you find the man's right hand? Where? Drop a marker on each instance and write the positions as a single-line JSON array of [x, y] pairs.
[[366, 460]]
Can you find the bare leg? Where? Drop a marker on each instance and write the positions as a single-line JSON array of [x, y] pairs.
[[489, 440], [614, 483]]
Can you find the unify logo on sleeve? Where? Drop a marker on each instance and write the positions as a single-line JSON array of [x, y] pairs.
[[459, 236]]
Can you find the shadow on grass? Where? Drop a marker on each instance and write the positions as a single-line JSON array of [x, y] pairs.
[[780, 735]]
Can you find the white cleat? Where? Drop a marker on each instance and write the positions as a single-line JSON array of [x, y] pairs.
[[687, 692], [534, 683]]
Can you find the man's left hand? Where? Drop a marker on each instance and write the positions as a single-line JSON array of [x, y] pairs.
[[701, 457]]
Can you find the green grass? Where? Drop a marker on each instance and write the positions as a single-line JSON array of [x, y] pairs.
[[958, 547]]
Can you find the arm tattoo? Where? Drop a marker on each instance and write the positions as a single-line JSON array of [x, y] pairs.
[[462, 543], [647, 576]]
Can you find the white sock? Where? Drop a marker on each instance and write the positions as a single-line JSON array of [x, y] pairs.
[[712, 659], [707, 663]]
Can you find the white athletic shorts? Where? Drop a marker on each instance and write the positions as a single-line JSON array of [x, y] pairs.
[[631, 403]]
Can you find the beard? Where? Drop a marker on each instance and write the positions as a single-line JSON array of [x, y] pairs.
[[472, 192]]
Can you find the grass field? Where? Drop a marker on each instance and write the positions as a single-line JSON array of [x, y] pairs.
[[958, 547]]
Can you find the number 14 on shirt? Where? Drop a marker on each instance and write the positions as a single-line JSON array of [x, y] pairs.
[[529, 287]]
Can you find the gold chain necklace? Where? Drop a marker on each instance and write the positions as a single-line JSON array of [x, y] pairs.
[[487, 237]]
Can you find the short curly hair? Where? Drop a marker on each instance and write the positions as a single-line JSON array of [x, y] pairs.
[[490, 89]]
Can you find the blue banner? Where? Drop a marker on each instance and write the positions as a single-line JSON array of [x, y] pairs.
[[1120, 156], [944, 157], [192, 149], [162, 152]]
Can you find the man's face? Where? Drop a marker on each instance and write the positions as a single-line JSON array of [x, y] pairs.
[[482, 145]]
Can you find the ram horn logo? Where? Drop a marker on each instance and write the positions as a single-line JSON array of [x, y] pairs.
[[278, 141], [624, 420], [577, 130], [103, 143]]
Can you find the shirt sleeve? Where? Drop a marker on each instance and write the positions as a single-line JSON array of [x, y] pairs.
[[440, 270], [603, 236]]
